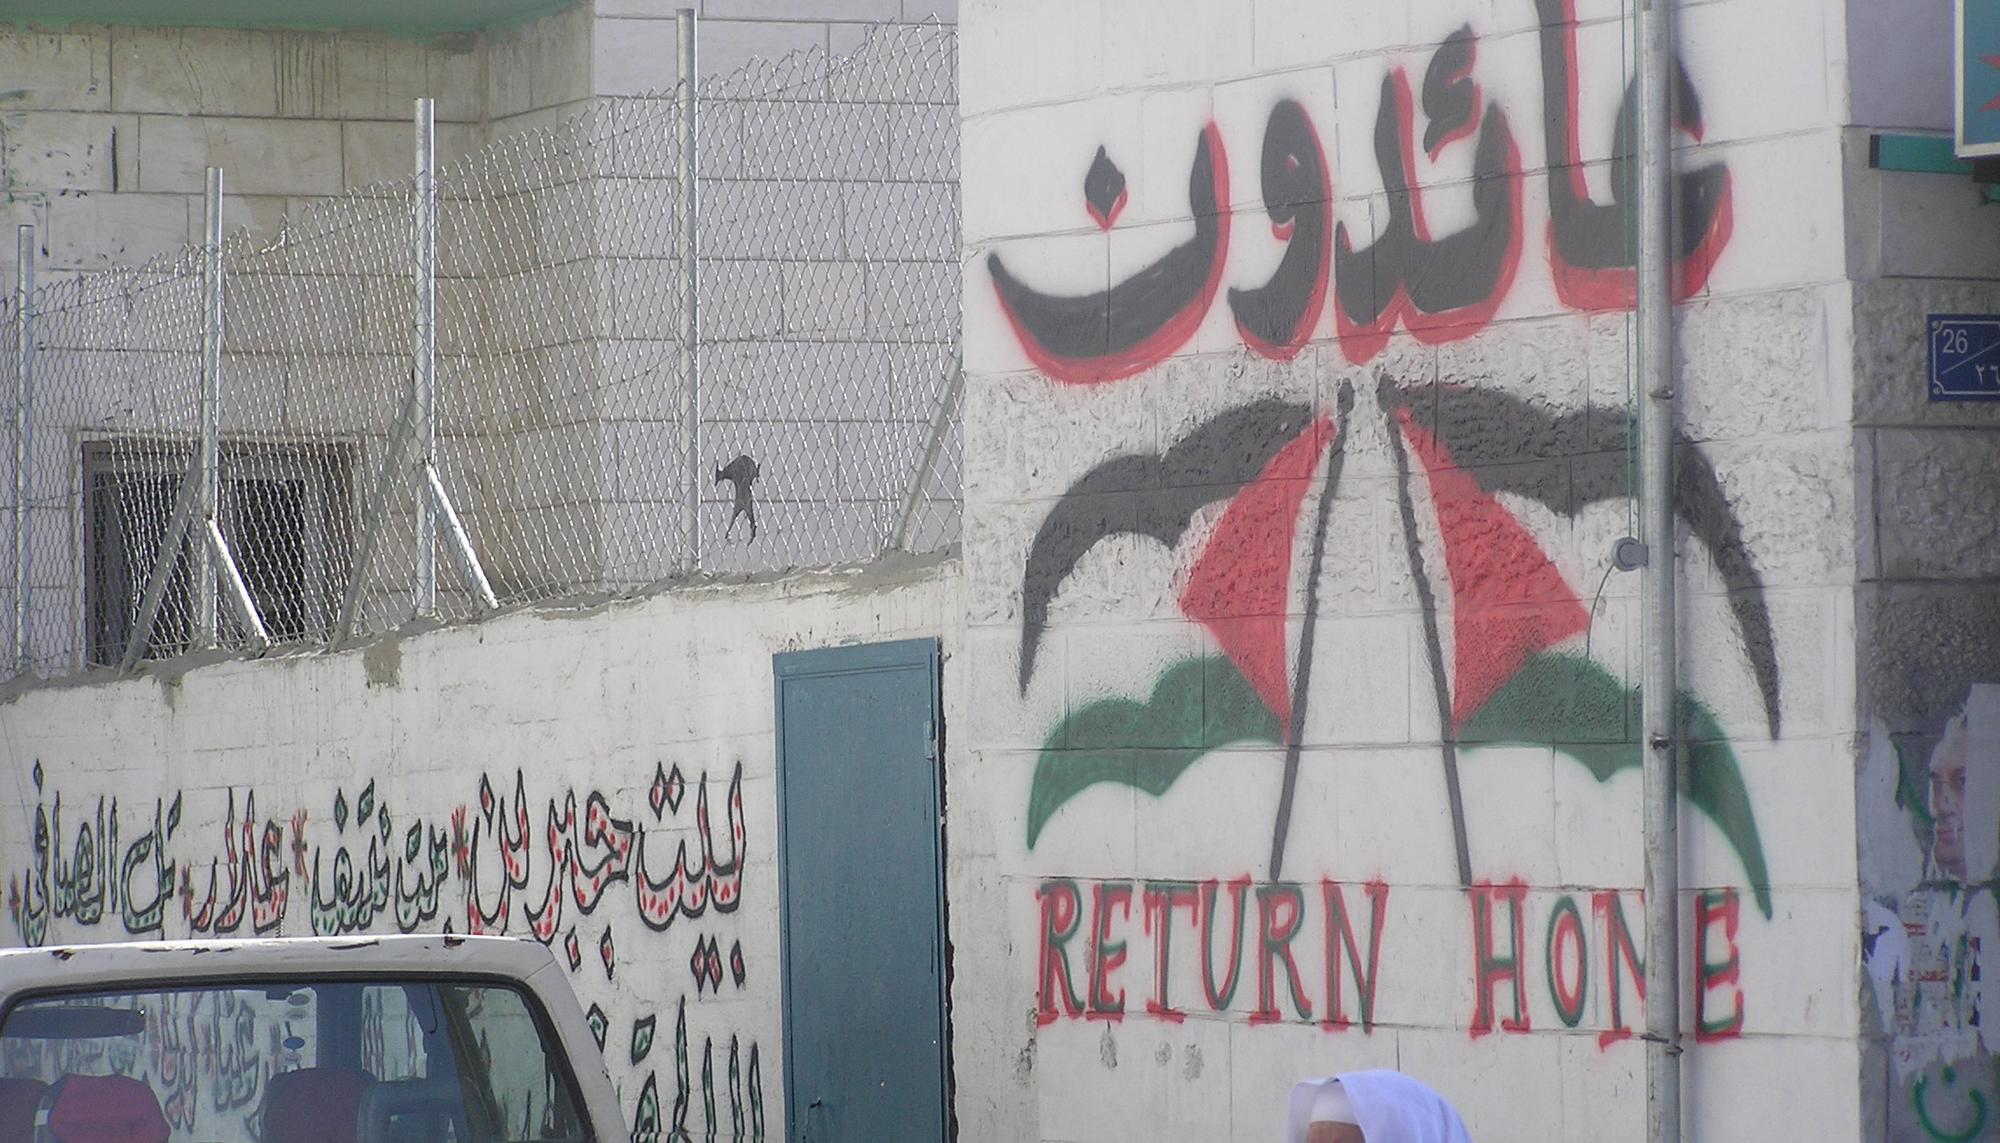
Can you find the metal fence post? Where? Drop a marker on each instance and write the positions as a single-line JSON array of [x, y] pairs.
[[424, 376], [913, 498], [687, 171], [211, 407], [24, 349]]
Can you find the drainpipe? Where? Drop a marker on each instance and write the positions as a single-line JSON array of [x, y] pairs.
[[1658, 630]]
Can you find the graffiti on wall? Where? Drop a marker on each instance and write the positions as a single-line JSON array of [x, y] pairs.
[[358, 864], [1281, 951], [1929, 918], [1439, 287], [86, 876], [1244, 498]]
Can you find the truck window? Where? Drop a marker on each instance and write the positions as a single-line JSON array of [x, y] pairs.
[[533, 1099], [290, 1061]]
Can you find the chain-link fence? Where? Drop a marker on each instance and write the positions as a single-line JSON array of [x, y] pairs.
[[545, 450]]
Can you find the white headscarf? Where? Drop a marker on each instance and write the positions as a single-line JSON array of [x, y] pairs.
[[1389, 1107]]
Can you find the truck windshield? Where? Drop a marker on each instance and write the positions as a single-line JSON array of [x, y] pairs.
[[286, 1061]]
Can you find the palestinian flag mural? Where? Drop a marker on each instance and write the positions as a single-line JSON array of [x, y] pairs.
[[1261, 459], [1517, 673]]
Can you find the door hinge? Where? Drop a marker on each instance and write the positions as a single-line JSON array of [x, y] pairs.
[[931, 739]]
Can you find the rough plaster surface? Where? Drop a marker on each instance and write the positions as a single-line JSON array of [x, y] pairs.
[[590, 709], [1387, 630], [1927, 624], [300, 114]]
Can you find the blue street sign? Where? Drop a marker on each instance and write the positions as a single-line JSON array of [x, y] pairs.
[[1965, 357], [1977, 71]]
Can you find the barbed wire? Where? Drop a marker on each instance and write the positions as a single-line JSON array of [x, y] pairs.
[[827, 245]]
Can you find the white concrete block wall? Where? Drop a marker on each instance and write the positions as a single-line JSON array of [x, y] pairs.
[[1925, 604], [345, 754], [829, 293], [107, 156], [105, 145], [99, 110], [636, 51], [1118, 493]]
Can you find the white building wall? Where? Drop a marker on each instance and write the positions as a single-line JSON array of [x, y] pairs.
[[1129, 782], [377, 790], [110, 129], [106, 130], [829, 297], [636, 51], [1927, 601]]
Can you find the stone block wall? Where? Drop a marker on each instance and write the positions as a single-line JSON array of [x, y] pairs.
[[604, 781], [830, 294], [105, 141], [1927, 606], [1301, 370]]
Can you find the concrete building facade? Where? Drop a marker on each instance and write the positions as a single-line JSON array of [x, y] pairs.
[[1290, 691], [108, 126]]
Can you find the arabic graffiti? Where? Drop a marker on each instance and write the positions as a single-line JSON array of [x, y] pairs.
[[365, 866], [746, 1095], [1242, 498], [82, 886], [585, 862], [1278, 317], [1445, 288], [1440, 287], [258, 882], [192, 1036], [1590, 249], [1139, 321], [383, 878]]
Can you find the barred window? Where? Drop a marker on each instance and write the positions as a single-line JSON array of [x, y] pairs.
[[285, 510]]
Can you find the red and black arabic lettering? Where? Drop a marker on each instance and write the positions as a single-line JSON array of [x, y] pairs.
[[1440, 287]]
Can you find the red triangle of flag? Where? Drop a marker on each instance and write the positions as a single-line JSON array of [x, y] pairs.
[[1508, 599], [1240, 587]]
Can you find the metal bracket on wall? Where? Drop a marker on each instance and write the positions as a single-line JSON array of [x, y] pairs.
[[913, 497], [430, 494], [221, 559], [1931, 155], [457, 543]]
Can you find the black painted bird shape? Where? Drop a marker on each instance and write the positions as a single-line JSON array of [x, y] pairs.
[[742, 473]]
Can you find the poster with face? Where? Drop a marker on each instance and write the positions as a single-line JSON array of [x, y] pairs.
[[1964, 774], [1930, 916]]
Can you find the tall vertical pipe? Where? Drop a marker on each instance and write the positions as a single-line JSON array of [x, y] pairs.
[[1658, 627], [210, 445], [24, 352], [687, 172], [424, 373]]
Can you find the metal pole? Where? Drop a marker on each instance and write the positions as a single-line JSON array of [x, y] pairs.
[[1660, 688], [425, 374], [457, 543], [186, 501], [913, 498], [240, 600], [24, 349], [687, 173], [371, 527], [211, 408]]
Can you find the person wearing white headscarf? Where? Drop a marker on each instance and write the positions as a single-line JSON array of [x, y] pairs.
[[1371, 1107]]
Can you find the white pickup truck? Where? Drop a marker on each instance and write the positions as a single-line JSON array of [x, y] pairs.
[[413, 1039]]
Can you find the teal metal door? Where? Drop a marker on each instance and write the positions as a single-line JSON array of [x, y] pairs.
[[860, 859]]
